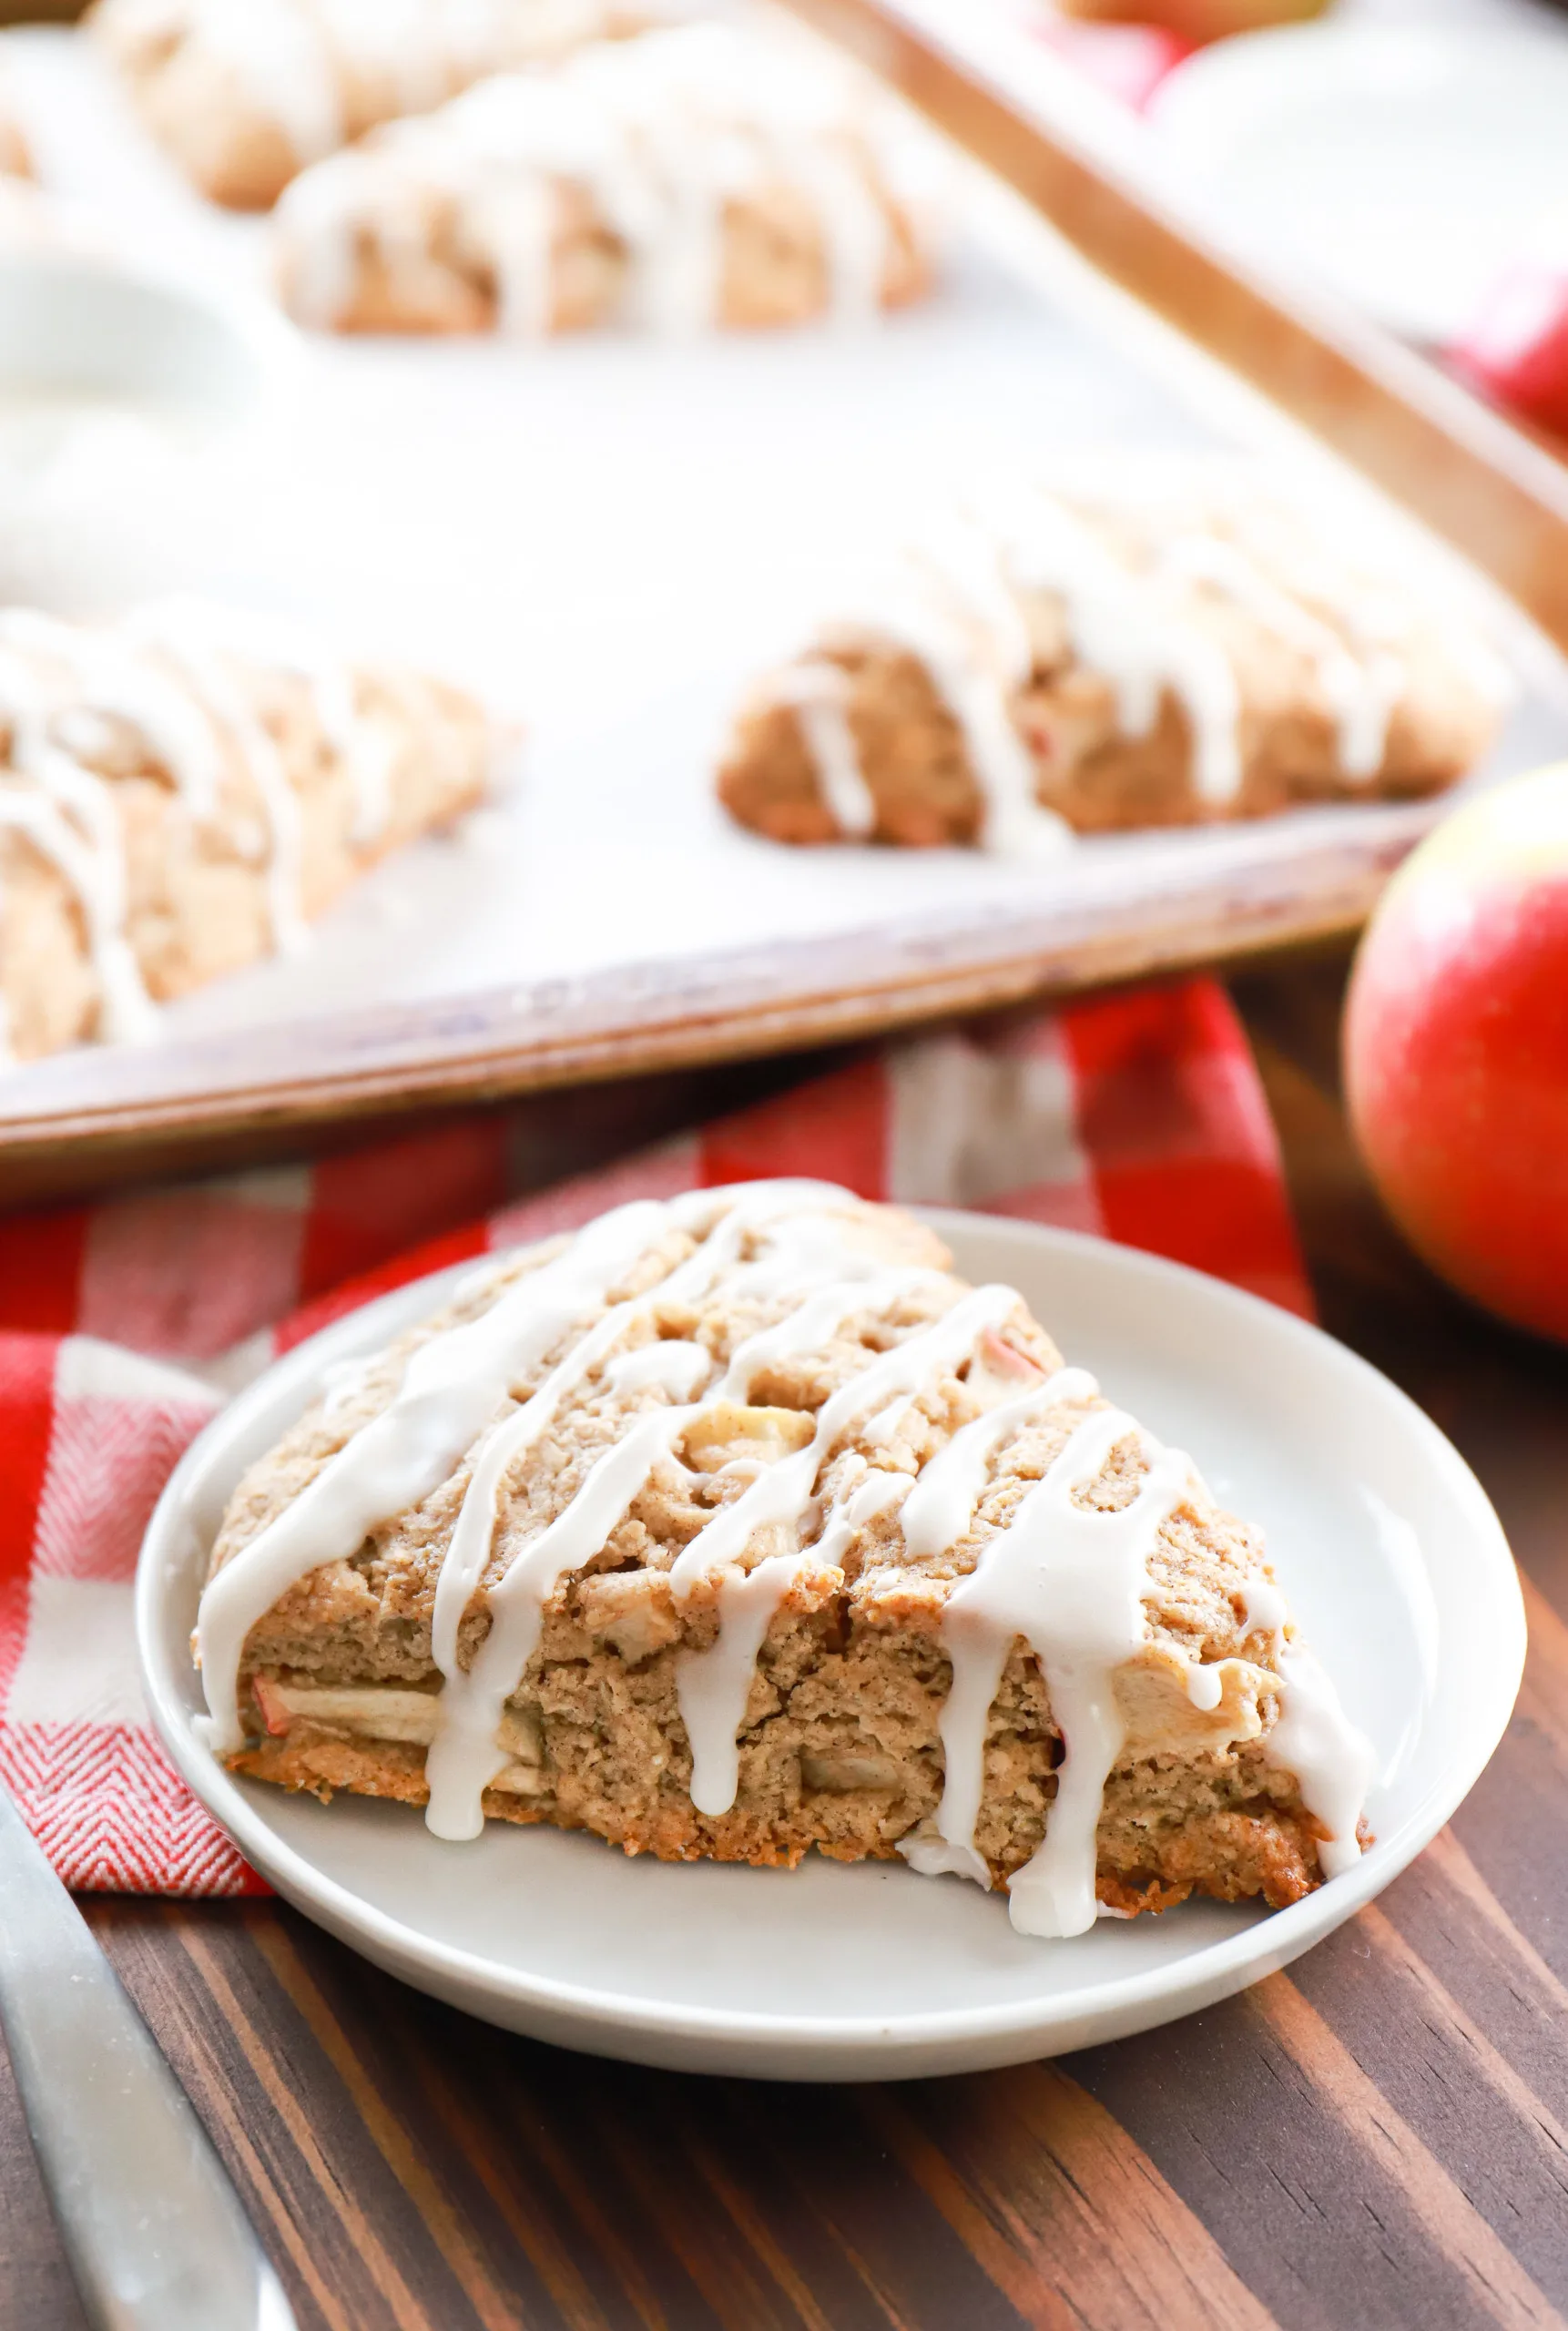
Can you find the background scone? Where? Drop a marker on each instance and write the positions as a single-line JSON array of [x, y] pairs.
[[1102, 663], [179, 794], [738, 1525], [16, 153], [245, 92], [694, 176]]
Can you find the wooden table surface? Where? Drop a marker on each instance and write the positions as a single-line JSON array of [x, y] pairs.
[[1377, 2139]]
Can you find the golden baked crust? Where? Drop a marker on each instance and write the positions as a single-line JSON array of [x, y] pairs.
[[244, 98], [173, 806], [768, 189], [1343, 686], [839, 1732], [15, 155]]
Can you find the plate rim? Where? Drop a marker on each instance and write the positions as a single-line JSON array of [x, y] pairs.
[[1216, 1970]]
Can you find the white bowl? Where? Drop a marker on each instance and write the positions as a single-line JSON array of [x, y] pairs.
[[1411, 166], [134, 407], [1399, 1573]]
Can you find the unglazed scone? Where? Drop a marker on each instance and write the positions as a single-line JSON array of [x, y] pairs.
[[736, 1525], [245, 92], [179, 794], [1064, 664], [703, 174]]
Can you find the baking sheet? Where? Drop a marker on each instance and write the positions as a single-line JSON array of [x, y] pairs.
[[606, 538]]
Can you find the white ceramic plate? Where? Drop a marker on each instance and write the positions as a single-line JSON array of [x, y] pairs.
[[1394, 1560], [1411, 166], [132, 399]]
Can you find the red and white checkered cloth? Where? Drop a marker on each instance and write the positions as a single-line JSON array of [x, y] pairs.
[[124, 1325]]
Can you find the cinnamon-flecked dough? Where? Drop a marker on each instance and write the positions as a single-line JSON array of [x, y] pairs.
[[1197, 668], [692, 177], [244, 93], [840, 1739], [174, 806]]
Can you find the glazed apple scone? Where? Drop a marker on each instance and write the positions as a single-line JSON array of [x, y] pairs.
[[737, 1525], [245, 92], [180, 793], [702, 174], [1064, 664]]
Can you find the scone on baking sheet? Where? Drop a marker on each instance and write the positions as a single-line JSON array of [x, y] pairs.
[[15, 155], [181, 792], [737, 1525], [1063, 664], [16, 151], [702, 174], [245, 92]]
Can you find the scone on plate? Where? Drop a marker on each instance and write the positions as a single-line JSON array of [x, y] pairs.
[[703, 174], [737, 1525], [244, 93], [181, 793], [1067, 664]]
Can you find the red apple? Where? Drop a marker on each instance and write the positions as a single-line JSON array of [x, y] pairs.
[[1456, 1049], [1517, 349]]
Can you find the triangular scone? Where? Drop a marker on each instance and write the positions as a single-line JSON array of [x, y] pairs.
[[1049, 665], [182, 792], [700, 176], [736, 1525], [244, 93]]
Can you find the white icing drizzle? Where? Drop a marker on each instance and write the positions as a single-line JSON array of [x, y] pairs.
[[1263, 1607], [106, 675], [1331, 1761], [1122, 628], [1312, 1738], [1069, 1580], [815, 1321], [1360, 692], [712, 1703], [974, 669], [212, 684], [940, 1507], [72, 821], [200, 635], [125, 1012], [278, 56], [661, 133], [817, 694], [464, 1757], [681, 1369]]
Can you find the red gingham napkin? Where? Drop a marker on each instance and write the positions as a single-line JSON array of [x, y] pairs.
[[124, 1325]]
